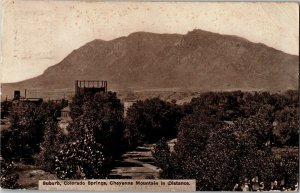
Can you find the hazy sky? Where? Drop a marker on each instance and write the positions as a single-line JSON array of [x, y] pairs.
[[38, 34]]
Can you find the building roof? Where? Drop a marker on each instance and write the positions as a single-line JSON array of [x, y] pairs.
[[66, 109]]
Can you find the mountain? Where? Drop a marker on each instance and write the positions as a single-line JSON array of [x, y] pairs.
[[198, 60]]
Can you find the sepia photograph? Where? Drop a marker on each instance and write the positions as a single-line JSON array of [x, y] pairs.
[[149, 96]]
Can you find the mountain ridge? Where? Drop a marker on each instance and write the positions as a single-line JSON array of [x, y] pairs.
[[199, 59]]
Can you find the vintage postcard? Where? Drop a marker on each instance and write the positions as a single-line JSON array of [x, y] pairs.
[[149, 96]]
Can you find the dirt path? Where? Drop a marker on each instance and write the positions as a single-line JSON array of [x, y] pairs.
[[137, 164]]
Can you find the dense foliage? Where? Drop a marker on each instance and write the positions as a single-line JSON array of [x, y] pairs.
[[286, 126], [225, 141], [82, 159], [52, 141], [76, 105], [224, 156], [95, 137], [102, 114], [28, 122], [281, 110], [150, 120]]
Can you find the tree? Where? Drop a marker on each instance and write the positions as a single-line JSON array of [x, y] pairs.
[[286, 130], [95, 138], [27, 127], [102, 114], [220, 155], [225, 106], [162, 156], [6, 147], [82, 159], [150, 120], [52, 141], [76, 105], [193, 132]]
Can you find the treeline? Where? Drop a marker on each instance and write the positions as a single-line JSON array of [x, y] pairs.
[[223, 138], [279, 110]]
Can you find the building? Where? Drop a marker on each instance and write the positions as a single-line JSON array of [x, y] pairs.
[[65, 119], [65, 114], [90, 87], [18, 97]]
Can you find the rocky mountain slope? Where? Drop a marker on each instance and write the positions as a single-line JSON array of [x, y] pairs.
[[198, 60]]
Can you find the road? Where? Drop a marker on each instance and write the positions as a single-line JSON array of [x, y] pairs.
[[136, 164]]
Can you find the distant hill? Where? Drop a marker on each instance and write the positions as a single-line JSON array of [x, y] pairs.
[[199, 60]]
